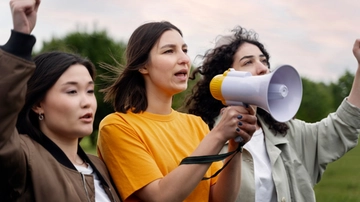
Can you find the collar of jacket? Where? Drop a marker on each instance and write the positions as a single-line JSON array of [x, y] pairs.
[[60, 156], [275, 139]]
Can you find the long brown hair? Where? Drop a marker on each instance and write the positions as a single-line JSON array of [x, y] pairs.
[[128, 91]]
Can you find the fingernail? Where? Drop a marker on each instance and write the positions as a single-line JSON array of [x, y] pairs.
[[240, 124], [237, 129], [239, 116]]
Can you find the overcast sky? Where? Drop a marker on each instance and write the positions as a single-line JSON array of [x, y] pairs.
[[316, 37]]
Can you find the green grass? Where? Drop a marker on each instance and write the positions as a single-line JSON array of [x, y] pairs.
[[341, 180]]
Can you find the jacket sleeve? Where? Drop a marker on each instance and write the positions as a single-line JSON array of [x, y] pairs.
[[15, 70], [321, 143]]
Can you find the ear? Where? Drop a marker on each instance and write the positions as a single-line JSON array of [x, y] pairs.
[[144, 70], [37, 109]]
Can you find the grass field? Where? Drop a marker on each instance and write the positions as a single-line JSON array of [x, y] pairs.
[[340, 183]]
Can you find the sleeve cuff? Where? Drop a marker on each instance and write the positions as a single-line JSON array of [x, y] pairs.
[[349, 113], [20, 44]]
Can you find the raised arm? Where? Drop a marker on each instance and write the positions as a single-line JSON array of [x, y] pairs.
[[354, 97], [15, 70], [24, 14]]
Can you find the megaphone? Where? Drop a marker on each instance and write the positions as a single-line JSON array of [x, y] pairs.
[[279, 92]]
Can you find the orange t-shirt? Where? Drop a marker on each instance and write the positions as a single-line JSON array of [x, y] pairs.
[[140, 148]]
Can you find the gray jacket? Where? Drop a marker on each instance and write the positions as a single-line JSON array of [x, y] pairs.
[[299, 159]]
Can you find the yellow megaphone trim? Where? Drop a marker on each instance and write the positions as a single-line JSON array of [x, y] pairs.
[[215, 87], [226, 72]]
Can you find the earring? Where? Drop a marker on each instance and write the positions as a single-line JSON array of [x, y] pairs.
[[41, 116]]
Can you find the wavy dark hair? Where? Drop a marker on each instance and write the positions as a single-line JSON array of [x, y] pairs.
[[49, 68], [200, 102], [128, 89]]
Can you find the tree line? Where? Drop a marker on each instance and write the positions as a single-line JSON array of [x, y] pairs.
[[319, 99]]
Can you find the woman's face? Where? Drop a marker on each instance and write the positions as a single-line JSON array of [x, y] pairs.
[[69, 106], [166, 73], [249, 58]]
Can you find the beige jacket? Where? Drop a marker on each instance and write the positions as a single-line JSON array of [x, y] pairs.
[[299, 159]]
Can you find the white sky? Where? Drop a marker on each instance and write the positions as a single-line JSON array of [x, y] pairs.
[[316, 37]]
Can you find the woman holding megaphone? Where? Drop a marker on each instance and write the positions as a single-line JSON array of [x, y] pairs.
[[283, 160], [153, 151]]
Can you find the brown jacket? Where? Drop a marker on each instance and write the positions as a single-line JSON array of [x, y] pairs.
[[33, 171]]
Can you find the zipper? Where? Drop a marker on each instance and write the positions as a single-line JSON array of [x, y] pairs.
[[112, 196], [84, 183]]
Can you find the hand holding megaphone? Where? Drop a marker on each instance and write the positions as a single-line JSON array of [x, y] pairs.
[[279, 92], [238, 121]]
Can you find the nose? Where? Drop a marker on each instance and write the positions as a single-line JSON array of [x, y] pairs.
[[86, 100], [184, 58], [261, 69]]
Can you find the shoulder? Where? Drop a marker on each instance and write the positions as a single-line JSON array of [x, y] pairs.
[[193, 120], [191, 117], [96, 161], [113, 118], [99, 165], [28, 144], [188, 116]]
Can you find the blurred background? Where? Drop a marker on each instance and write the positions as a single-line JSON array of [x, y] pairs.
[[316, 37]]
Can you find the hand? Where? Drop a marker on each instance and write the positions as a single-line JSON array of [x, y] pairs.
[[237, 121], [24, 14], [356, 50]]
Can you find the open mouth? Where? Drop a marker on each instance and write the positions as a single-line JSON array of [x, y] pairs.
[[182, 73], [87, 116]]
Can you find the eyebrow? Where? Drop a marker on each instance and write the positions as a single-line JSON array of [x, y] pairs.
[[172, 46], [251, 56], [75, 83]]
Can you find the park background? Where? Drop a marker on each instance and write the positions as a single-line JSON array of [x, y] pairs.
[[315, 37], [341, 181]]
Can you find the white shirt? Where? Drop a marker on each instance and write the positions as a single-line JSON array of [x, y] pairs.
[[264, 183], [100, 195]]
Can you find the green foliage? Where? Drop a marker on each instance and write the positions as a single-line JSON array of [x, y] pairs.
[[97, 47], [317, 101], [88, 146], [342, 88], [320, 99]]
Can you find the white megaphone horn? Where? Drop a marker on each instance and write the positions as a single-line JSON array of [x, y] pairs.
[[279, 92]]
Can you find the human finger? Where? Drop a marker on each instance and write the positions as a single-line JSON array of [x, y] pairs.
[[246, 126], [24, 14], [356, 50]]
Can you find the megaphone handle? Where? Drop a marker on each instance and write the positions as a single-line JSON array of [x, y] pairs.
[[238, 139]]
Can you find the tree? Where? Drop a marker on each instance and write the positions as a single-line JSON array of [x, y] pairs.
[[320, 99], [317, 101], [342, 88]]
